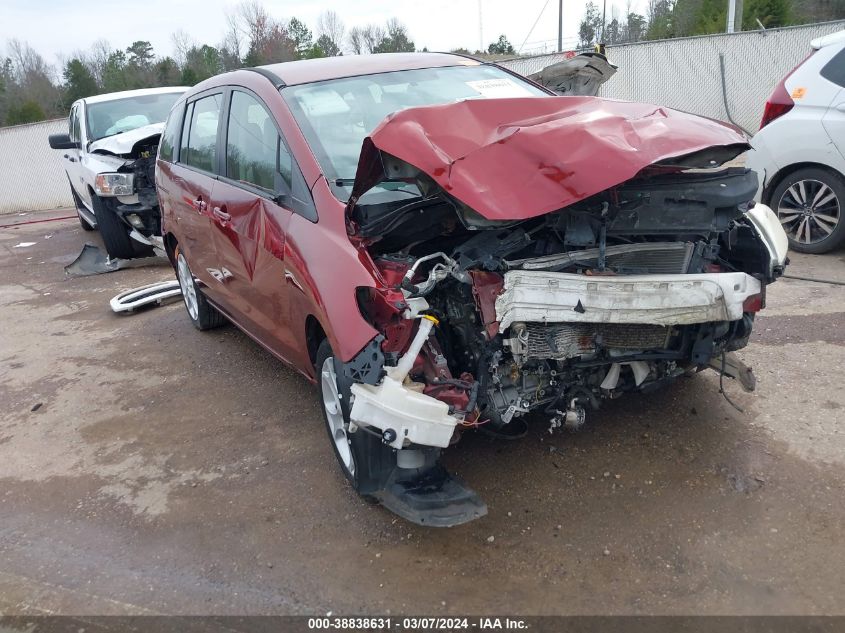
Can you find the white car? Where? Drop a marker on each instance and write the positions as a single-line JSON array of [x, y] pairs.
[[800, 149], [110, 161]]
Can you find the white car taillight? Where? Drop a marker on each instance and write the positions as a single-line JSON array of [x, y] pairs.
[[780, 102]]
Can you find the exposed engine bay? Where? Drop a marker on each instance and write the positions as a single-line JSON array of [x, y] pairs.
[[539, 256], [626, 290]]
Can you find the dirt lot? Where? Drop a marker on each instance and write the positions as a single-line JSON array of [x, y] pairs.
[[173, 471]]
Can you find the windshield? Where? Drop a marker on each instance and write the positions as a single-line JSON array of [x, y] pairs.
[[121, 115], [336, 115]]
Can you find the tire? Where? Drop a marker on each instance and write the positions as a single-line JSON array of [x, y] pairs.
[[809, 204], [79, 206], [114, 232], [203, 315], [365, 461]]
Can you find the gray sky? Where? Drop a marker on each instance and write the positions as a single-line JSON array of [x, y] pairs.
[[57, 28]]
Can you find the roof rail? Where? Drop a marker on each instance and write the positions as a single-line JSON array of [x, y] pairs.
[[271, 76], [480, 60]]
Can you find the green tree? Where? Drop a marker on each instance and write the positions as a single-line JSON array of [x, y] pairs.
[[314, 52], [330, 32], [166, 72], [140, 54], [634, 28], [771, 13], [26, 112], [501, 47], [301, 37], [660, 23], [613, 32], [328, 46], [395, 39], [114, 73], [79, 82], [138, 69], [589, 28], [203, 61]]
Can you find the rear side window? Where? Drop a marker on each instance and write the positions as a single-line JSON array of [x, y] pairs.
[[834, 70], [252, 143], [167, 146], [200, 149]]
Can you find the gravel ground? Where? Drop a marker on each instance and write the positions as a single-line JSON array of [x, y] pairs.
[[146, 467]]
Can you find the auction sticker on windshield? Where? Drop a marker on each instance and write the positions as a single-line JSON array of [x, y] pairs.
[[498, 88]]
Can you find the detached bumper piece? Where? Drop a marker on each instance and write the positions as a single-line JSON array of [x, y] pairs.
[[433, 498], [158, 293]]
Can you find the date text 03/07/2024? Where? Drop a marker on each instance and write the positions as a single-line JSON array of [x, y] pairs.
[[416, 623]]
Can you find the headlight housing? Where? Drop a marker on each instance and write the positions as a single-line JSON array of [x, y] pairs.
[[114, 184]]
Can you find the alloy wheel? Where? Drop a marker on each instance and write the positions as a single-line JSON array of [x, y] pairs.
[[334, 414], [809, 211], [189, 289]]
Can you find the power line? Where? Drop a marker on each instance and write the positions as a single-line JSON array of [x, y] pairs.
[[533, 26]]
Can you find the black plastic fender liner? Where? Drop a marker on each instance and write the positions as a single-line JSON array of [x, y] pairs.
[[92, 261], [432, 498]]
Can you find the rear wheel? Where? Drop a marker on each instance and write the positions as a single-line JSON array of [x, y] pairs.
[[114, 232], [203, 315], [809, 204]]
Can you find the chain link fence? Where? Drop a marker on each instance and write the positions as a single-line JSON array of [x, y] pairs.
[[32, 176], [687, 74]]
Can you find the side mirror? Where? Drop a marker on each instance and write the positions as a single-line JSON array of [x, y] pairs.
[[62, 141]]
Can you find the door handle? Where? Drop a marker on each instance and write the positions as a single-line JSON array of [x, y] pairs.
[[200, 205], [841, 106], [221, 214]]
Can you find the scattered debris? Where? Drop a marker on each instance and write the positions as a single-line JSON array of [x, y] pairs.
[[92, 261], [24, 245], [491, 538], [36, 407]]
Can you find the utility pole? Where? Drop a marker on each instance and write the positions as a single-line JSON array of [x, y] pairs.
[[480, 29], [603, 22], [560, 26], [731, 16]]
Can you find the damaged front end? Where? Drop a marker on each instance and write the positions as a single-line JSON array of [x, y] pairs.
[[127, 184], [548, 257]]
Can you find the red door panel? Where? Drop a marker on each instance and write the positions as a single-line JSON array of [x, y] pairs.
[[249, 236]]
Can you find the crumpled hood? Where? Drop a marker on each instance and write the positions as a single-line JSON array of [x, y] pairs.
[[123, 143], [513, 159]]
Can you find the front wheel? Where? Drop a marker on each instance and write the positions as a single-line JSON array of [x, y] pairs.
[[114, 232], [809, 205], [364, 459], [203, 315]]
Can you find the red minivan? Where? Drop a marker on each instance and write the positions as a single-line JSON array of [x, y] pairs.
[[444, 246]]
